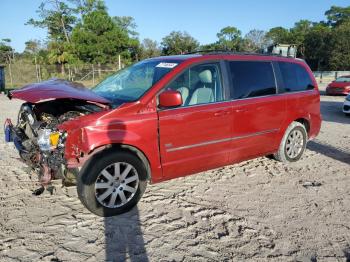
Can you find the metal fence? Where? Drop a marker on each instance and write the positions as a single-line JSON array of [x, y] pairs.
[[329, 76], [21, 73]]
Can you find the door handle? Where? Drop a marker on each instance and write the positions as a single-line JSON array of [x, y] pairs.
[[240, 110], [221, 113]]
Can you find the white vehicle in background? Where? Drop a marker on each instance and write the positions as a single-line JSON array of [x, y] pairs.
[[346, 106]]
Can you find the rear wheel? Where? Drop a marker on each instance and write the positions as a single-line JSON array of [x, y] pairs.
[[111, 183], [293, 143]]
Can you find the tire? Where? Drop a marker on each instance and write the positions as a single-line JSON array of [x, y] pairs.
[[100, 186], [347, 114], [291, 151]]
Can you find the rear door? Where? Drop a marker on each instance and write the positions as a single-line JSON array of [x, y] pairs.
[[301, 94], [196, 136], [258, 110]]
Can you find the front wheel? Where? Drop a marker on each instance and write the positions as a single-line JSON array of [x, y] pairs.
[[111, 183], [293, 143]]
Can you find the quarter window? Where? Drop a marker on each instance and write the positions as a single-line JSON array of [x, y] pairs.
[[252, 79], [200, 84], [295, 77]]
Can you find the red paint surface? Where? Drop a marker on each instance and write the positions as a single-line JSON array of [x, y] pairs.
[[338, 88], [170, 98], [55, 89]]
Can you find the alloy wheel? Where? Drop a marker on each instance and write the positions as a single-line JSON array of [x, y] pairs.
[[116, 185], [295, 143]]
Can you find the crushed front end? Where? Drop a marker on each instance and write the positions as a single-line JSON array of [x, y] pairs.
[[40, 143]]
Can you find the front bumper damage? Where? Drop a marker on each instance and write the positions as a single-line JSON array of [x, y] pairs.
[[49, 165]]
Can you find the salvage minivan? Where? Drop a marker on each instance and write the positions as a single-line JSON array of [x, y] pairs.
[[164, 118]]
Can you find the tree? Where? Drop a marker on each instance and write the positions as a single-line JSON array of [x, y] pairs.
[[318, 46], [34, 51], [230, 39], [279, 35], [340, 43], [32, 46], [256, 40], [97, 39], [209, 47], [150, 48], [6, 51], [298, 33], [57, 17], [60, 54], [179, 43], [85, 6], [338, 15], [128, 24]]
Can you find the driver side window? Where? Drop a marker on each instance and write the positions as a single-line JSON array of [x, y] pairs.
[[200, 84]]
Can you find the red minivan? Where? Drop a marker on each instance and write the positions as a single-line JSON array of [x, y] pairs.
[[164, 118]]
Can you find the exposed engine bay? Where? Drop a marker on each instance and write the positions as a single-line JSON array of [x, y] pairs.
[[38, 139]]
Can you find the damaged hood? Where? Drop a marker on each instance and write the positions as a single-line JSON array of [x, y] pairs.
[[56, 89]]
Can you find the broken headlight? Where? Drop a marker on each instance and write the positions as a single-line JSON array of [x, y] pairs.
[[48, 140]]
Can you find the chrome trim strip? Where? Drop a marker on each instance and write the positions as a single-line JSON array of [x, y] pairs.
[[221, 140]]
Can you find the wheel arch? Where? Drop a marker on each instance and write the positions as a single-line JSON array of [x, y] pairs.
[[126, 148], [305, 122]]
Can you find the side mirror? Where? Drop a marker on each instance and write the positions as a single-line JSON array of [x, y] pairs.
[[170, 98]]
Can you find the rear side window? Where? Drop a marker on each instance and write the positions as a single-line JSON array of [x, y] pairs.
[[295, 77], [252, 79]]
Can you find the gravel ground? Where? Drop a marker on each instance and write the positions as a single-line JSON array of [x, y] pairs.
[[258, 210]]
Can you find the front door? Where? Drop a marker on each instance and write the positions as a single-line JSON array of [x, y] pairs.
[[196, 136]]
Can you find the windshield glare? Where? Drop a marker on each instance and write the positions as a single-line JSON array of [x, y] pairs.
[[131, 83], [343, 79]]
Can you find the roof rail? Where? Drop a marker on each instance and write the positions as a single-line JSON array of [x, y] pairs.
[[229, 52]]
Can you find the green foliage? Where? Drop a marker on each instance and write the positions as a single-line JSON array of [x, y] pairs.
[[340, 52], [179, 43], [299, 31], [338, 15], [85, 6], [127, 23], [255, 40], [325, 46], [97, 39], [317, 46], [32, 46], [150, 48], [57, 17], [279, 35], [6, 51], [229, 39], [209, 47]]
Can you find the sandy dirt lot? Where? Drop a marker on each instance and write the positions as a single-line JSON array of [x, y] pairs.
[[258, 210]]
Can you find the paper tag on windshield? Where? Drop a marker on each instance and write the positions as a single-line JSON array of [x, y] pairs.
[[166, 65]]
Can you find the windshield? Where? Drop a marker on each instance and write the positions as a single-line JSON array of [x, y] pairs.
[[131, 83], [343, 79]]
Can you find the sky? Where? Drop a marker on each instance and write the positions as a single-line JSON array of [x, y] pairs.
[[155, 19]]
